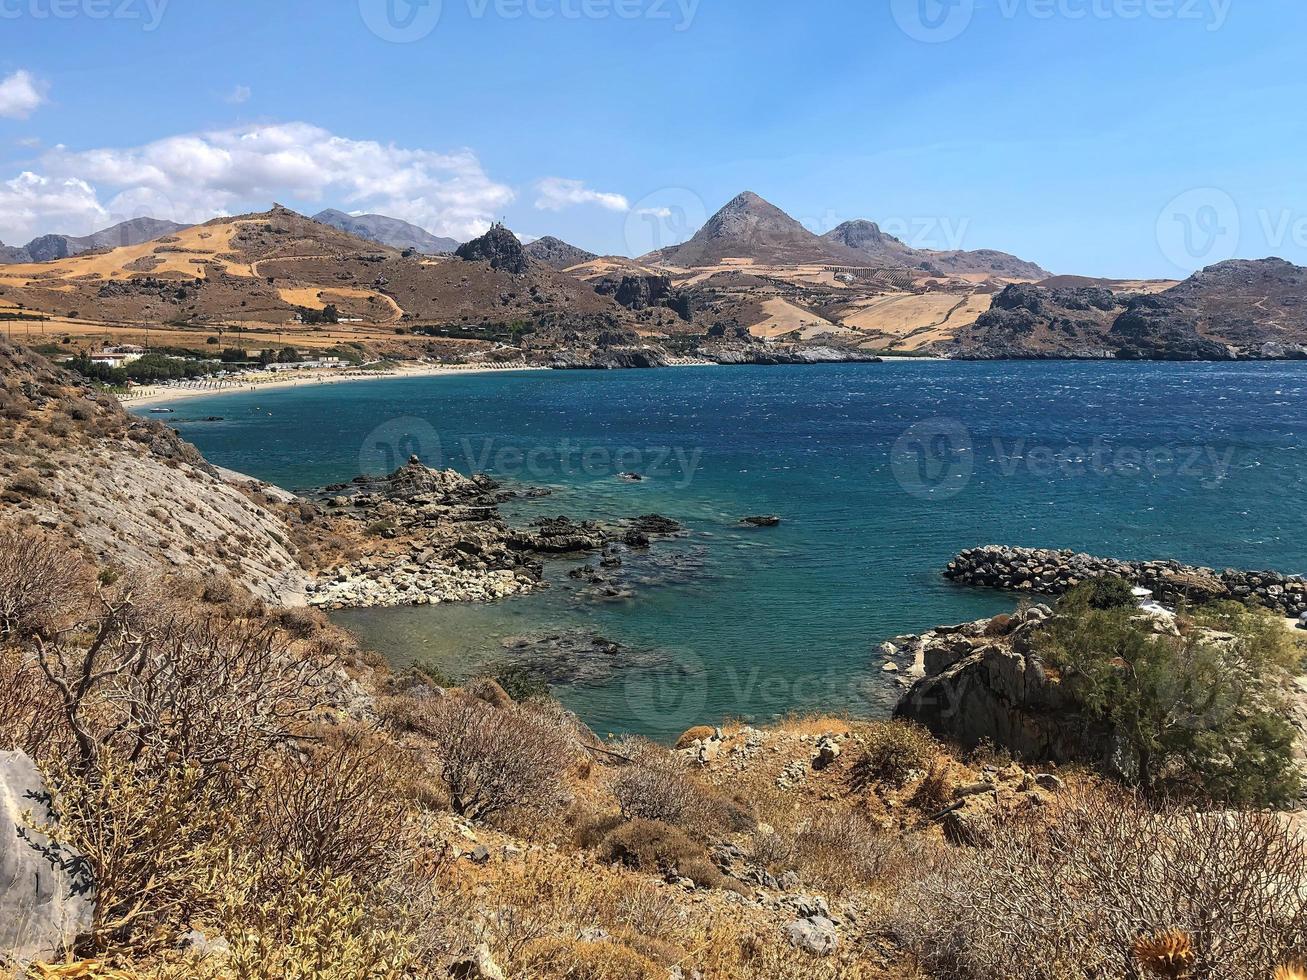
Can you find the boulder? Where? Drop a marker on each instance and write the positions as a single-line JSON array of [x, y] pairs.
[[46, 894], [816, 935]]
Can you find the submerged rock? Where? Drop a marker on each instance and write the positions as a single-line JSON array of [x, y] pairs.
[[574, 657]]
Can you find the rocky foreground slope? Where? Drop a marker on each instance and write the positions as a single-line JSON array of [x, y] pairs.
[[129, 491]]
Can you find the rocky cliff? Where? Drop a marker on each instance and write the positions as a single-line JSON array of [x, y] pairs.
[[980, 684], [1233, 310]]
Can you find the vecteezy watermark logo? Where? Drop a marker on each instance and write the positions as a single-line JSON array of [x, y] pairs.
[[148, 12], [392, 444], [671, 698], [937, 21], [664, 218], [936, 460], [933, 21], [933, 459], [1198, 228], [1208, 466], [405, 21], [401, 21]]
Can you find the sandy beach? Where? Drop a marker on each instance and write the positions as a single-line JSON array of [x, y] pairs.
[[254, 382]]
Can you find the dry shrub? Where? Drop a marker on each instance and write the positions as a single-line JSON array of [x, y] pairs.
[[218, 589], [340, 811], [163, 688], [493, 760], [891, 753], [651, 846], [548, 894], [29, 707], [935, 791], [575, 959], [658, 785], [1071, 898], [42, 584], [301, 624], [839, 850], [148, 840], [286, 921]]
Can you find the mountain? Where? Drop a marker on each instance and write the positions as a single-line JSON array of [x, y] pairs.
[[750, 228], [557, 253], [387, 231], [271, 270], [869, 241], [48, 248], [1234, 310]]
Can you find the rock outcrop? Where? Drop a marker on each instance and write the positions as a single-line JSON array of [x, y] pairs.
[[1054, 572], [1239, 310], [758, 353], [500, 247], [46, 896], [635, 292], [435, 536], [974, 686]]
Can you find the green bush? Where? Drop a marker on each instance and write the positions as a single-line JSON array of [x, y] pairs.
[[891, 752], [1200, 713], [1108, 592]]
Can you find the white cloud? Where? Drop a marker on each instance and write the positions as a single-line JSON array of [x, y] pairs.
[[557, 193], [19, 95], [31, 204], [198, 176], [656, 212], [239, 95]]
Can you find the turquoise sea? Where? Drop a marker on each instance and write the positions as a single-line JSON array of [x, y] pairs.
[[880, 473]]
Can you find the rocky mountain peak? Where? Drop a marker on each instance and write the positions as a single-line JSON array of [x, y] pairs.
[[500, 247], [861, 234], [557, 253], [749, 227]]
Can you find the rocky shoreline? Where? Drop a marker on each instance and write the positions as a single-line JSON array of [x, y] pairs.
[[421, 537], [1049, 572]]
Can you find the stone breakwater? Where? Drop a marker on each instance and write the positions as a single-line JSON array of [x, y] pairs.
[[1050, 572]]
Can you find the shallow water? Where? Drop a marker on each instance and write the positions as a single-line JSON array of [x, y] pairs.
[[879, 472]]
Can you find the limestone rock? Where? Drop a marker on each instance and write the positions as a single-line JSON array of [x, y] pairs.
[[816, 935], [46, 895]]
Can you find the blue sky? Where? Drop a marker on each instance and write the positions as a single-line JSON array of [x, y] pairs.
[[1103, 137]]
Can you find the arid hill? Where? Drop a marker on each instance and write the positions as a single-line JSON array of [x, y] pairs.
[[265, 270], [558, 254], [48, 248], [878, 247], [1237, 309], [130, 491], [748, 227], [387, 231]]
